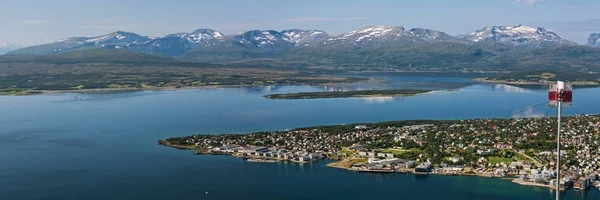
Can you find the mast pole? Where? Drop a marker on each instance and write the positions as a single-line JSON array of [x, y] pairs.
[[558, 148]]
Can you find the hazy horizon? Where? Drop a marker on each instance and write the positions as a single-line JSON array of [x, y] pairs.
[[38, 22]]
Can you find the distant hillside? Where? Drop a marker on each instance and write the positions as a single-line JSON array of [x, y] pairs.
[[565, 58], [91, 55]]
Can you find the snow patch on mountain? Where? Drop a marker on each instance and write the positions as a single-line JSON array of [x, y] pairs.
[[516, 35], [119, 37], [302, 37], [6, 47], [195, 37], [367, 34], [594, 40], [9, 45], [383, 34]]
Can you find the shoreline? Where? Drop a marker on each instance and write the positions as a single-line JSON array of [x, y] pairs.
[[101, 90], [249, 158], [129, 89], [521, 83], [345, 164], [275, 96]]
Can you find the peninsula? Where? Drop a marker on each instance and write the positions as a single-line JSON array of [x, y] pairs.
[[348, 94], [543, 78], [517, 148]]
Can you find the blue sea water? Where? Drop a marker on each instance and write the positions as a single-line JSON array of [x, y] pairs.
[[104, 145]]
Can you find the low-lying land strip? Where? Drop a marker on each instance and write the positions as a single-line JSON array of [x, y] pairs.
[[529, 78], [347, 94], [22, 78], [486, 147]]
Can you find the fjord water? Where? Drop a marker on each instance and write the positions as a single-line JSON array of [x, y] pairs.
[[104, 145]]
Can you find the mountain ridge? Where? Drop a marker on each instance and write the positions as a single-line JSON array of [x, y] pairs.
[[178, 44], [370, 48], [516, 35]]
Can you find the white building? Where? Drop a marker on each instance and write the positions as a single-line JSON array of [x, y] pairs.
[[360, 127]]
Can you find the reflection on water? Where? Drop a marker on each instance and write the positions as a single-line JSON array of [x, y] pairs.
[[378, 99], [509, 88], [408, 80], [378, 81], [101, 96]]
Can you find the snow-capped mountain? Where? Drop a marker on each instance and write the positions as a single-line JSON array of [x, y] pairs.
[[397, 36], [516, 36], [6, 47], [268, 40], [368, 34], [594, 40], [198, 37], [117, 40], [303, 37], [254, 44], [209, 43], [278, 41], [179, 43]]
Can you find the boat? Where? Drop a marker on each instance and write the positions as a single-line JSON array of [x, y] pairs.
[[579, 185], [583, 184], [565, 185]]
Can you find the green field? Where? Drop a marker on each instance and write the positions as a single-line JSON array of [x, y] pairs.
[[496, 160], [345, 150], [400, 152]]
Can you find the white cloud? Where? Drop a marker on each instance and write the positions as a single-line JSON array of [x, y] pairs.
[[36, 21], [530, 2], [314, 19]]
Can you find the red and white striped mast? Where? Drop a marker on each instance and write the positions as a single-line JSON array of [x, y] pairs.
[[558, 95]]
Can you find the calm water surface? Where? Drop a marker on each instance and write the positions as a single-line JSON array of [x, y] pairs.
[[103, 146]]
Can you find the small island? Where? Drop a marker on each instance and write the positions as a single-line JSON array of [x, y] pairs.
[[348, 94], [543, 78]]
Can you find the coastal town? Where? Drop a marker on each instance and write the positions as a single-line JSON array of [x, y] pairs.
[[522, 149]]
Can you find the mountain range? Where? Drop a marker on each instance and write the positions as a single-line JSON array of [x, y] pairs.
[[378, 47]]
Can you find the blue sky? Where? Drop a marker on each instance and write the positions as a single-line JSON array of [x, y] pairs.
[[30, 22]]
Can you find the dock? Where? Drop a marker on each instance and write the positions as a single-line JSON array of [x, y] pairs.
[[378, 171]]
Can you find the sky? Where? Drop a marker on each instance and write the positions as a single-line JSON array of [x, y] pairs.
[[31, 22]]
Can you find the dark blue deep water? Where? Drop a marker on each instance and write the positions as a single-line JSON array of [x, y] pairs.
[[104, 145]]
